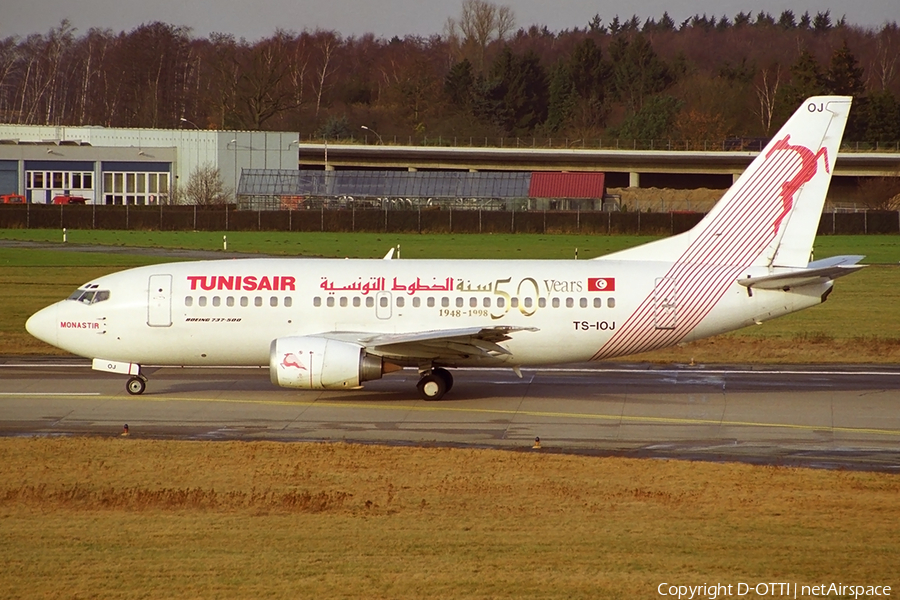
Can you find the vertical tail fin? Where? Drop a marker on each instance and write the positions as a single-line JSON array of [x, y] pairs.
[[770, 215], [812, 148]]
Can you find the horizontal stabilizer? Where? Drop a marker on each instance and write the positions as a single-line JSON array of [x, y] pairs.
[[820, 271]]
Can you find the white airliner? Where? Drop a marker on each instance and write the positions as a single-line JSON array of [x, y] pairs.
[[333, 324]]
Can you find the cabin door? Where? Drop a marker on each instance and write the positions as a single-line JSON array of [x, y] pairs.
[[159, 301]]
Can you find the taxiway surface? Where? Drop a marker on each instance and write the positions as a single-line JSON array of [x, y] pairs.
[[843, 417]]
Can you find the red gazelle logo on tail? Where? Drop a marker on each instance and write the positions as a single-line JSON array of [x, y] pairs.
[[809, 164]]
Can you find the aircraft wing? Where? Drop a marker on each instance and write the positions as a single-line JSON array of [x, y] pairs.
[[435, 344], [820, 271]]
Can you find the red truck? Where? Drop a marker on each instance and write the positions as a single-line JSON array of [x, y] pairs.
[[12, 199], [69, 200]]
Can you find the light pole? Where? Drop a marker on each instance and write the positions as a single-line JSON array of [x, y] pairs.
[[380, 141], [183, 120], [281, 164], [234, 148]]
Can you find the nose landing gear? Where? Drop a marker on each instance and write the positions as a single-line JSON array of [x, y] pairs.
[[435, 384], [136, 385]]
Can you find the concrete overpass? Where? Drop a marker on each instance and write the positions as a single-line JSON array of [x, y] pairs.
[[624, 168]]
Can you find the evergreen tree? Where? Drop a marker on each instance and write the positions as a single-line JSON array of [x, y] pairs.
[[822, 22], [787, 20], [637, 70], [666, 23], [883, 118], [741, 19], [806, 79], [654, 121], [577, 83], [515, 95], [845, 75], [562, 97], [459, 83]]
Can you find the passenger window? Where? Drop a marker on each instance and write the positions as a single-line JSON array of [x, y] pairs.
[[201, 301], [501, 302], [555, 303], [383, 301], [611, 302], [570, 303], [317, 302], [356, 302], [430, 302], [329, 301], [188, 301], [229, 301], [598, 302], [257, 301], [246, 302], [514, 303], [216, 301], [399, 302], [459, 302], [417, 302], [445, 302], [288, 302], [473, 302], [273, 301], [528, 302], [583, 303], [487, 302], [542, 302], [343, 302], [370, 302]]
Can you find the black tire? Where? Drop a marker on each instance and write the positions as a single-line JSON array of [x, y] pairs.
[[446, 376], [432, 387], [136, 386]]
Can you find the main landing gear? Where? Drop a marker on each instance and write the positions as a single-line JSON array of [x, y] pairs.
[[435, 383]]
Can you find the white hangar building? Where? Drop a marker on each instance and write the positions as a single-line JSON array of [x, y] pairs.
[[110, 165]]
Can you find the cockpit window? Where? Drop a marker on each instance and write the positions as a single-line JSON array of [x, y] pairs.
[[89, 296]]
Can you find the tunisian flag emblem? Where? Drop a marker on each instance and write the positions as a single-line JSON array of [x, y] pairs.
[[601, 284]]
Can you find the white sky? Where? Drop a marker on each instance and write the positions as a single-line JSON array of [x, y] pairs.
[[254, 19]]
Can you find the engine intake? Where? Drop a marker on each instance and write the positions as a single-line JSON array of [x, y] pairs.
[[311, 362]]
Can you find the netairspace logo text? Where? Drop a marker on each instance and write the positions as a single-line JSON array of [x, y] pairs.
[[776, 590]]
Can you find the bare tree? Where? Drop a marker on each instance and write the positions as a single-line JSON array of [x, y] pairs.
[[767, 94], [879, 193], [480, 23], [884, 67], [264, 89], [326, 43], [205, 187]]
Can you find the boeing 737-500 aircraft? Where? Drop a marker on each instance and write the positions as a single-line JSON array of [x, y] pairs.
[[333, 324]]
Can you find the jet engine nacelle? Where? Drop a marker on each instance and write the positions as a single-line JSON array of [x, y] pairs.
[[319, 363]]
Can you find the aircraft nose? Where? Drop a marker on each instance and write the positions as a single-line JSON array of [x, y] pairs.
[[43, 325]]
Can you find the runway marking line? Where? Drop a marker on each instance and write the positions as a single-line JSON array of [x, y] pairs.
[[499, 411], [41, 394]]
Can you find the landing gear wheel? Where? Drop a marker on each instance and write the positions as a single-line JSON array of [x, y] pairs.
[[446, 376], [136, 386], [432, 387]]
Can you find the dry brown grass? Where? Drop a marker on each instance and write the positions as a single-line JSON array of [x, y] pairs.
[[89, 517]]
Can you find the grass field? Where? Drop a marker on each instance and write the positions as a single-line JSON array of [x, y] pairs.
[[128, 518], [884, 249], [131, 518], [860, 323]]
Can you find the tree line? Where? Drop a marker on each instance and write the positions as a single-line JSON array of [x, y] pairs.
[[705, 78]]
